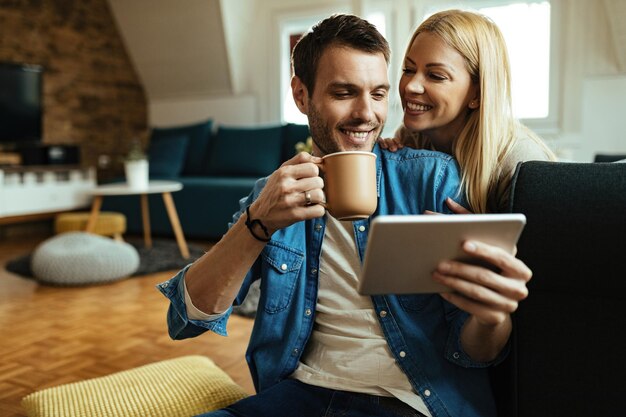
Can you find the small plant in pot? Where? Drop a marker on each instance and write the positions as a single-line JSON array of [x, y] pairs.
[[136, 166]]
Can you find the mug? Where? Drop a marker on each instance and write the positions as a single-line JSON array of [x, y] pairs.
[[350, 184]]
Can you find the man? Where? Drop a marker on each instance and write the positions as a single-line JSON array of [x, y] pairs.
[[319, 348]]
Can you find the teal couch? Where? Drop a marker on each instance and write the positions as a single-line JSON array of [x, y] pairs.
[[217, 167]]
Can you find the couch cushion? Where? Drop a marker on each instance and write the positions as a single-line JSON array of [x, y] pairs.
[[166, 155], [245, 151], [199, 136], [179, 387], [292, 134]]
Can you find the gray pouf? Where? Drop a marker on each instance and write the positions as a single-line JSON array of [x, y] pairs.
[[79, 258]]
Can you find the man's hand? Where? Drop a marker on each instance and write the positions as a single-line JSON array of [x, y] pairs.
[[294, 192], [489, 296]]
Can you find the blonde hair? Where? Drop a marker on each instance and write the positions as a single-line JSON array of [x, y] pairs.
[[491, 129]]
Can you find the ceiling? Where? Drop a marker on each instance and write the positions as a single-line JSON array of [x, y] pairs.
[[181, 49], [178, 48]]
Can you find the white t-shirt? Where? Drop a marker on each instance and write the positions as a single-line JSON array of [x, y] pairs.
[[347, 349]]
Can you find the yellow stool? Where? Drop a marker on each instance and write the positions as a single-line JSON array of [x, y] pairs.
[[108, 223]]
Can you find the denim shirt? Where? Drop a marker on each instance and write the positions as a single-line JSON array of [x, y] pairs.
[[422, 331]]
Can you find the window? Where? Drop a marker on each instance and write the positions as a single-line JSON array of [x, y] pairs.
[[290, 36], [526, 27], [529, 52]]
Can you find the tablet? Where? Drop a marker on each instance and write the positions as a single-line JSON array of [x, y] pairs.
[[403, 250]]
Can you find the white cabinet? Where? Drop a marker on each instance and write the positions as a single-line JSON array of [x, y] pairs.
[[26, 191]]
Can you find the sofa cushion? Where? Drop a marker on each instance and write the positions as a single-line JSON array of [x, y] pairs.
[[178, 387], [292, 134], [166, 155], [199, 136], [245, 151]]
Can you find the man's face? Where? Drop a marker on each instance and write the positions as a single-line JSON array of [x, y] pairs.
[[348, 107]]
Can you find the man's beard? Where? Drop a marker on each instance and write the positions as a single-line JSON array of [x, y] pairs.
[[323, 135]]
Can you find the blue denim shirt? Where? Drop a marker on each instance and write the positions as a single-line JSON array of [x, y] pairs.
[[423, 331]]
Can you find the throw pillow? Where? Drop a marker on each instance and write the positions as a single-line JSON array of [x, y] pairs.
[[253, 152], [166, 155], [199, 136], [180, 387]]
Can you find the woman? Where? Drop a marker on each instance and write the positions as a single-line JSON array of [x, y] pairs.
[[456, 95]]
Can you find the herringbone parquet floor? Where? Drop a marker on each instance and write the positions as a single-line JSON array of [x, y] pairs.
[[51, 335]]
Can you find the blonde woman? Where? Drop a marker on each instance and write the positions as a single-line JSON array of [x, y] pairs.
[[456, 95]]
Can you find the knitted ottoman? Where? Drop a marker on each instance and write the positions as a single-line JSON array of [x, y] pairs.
[[80, 258], [108, 223]]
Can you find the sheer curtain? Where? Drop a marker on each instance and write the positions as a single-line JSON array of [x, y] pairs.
[[588, 49]]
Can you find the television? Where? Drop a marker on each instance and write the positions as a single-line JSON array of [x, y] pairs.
[[21, 111]]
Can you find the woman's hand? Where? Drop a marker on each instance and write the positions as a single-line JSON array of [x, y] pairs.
[[455, 207], [391, 144]]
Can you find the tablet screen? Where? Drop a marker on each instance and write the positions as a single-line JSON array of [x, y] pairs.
[[403, 250]]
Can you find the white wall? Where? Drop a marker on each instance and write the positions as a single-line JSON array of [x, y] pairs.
[[228, 110], [603, 117]]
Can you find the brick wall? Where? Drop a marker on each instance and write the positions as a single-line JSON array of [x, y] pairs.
[[92, 94]]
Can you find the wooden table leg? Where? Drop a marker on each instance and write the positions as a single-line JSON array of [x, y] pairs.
[[145, 217], [178, 231], [93, 217]]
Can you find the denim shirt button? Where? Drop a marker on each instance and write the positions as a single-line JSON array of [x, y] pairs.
[[383, 313], [165, 284], [318, 227], [456, 355], [427, 393], [402, 354], [313, 271], [295, 352], [361, 228], [283, 267], [307, 312]]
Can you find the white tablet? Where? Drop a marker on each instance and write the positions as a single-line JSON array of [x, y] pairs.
[[403, 250]]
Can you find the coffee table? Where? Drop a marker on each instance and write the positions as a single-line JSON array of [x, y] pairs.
[[165, 188]]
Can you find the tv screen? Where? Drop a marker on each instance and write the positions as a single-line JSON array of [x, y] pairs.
[[20, 103]]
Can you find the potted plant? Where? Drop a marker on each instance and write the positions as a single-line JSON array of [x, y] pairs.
[[306, 146], [136, 166]]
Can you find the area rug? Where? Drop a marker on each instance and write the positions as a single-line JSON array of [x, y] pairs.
[[163, 256]]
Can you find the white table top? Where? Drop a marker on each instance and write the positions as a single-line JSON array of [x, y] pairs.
[[154, 187]]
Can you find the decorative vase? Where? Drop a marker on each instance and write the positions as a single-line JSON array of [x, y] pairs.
[[137, 174]]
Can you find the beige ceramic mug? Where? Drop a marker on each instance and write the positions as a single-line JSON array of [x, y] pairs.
[[350, 184]]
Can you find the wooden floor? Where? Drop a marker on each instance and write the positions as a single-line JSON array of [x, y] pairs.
[[51, 335]]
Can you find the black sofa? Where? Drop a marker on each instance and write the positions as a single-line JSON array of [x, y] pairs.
[[216, 167], [567, 345]]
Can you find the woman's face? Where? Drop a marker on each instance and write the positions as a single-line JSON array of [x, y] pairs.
[[436, 90]]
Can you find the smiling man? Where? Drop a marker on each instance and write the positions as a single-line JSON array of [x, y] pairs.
[[318, 348], [347, 105]]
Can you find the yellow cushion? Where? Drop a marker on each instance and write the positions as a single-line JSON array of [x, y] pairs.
[[185, 386], [108, 223]]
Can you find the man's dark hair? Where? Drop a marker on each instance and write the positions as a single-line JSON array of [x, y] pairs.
[[337, 30]]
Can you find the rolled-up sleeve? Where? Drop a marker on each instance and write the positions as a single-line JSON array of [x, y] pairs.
[[179, 325], [454, 348]]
